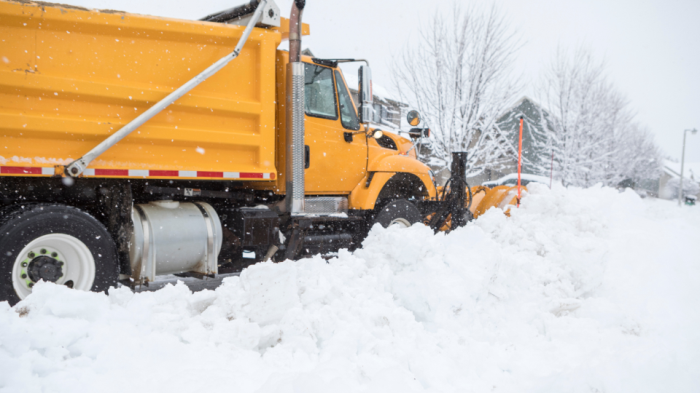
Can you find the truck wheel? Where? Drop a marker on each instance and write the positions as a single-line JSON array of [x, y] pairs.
[[399, 212], [54, 243]]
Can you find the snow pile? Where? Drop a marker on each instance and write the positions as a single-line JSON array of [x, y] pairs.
[[580, 291]]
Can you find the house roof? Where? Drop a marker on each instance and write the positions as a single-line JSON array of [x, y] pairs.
[[379, 91], [517, 104], [691, 170]]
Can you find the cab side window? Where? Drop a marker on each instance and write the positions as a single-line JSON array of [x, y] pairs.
[[319, 92], [348, 116]]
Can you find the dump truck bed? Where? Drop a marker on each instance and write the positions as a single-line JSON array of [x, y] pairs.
[[71, 77]]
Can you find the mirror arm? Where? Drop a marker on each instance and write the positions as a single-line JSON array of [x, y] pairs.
[[409, 150], [352, 61], [359, 132], [366, 131]]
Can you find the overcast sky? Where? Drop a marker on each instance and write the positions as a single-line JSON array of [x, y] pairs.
[[651, 47]]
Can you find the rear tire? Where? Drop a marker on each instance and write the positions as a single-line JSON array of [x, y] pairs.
[[398, 212], [54, 243]]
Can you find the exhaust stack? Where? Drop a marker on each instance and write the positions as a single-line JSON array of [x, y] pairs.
[[295, 115]]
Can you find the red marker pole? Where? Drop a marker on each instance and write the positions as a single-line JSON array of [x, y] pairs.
[[520, 157]]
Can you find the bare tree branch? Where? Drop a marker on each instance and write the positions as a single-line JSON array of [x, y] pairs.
[[458, 75], [592, 130]]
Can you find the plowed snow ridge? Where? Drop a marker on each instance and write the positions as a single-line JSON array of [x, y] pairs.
[[580, 291]]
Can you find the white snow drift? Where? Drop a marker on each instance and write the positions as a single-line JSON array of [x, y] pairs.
[[580, 291]]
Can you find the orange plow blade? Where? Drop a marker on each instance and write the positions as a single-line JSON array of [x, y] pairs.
[[483, 198], [502, 197]]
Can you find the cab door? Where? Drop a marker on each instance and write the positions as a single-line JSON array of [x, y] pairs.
[[337, 161]]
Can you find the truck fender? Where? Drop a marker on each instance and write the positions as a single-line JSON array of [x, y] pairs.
[[364, 196], [396, 163]]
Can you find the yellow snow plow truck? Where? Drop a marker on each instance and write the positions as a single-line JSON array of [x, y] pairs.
[[136, 146]]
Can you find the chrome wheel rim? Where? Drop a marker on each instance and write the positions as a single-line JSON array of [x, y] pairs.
[[77, 264], [400, 222]]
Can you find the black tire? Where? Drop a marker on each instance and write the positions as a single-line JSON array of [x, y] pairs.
[[399, 210], [20, 226]]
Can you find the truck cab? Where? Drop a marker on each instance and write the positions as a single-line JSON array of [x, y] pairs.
[[345, 157]]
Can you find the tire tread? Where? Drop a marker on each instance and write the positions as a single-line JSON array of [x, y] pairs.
[[18, 213]]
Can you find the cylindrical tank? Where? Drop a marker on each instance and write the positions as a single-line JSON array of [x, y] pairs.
[[173, 237]]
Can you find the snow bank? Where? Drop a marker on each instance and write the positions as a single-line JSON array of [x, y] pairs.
[[580, 291]]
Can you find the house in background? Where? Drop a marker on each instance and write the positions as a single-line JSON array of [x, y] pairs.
[[669, 182], [534, 137], [387, 112]]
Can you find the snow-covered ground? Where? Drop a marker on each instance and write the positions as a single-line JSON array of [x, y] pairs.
[[580, 291]]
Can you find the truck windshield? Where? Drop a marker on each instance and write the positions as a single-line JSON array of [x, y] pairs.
[[319, 92], [347, 112]]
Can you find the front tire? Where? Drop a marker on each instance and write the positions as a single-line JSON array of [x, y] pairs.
[[54, 243], [399, 212]]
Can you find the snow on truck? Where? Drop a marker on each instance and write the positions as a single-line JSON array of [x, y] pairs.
[[136, 146]]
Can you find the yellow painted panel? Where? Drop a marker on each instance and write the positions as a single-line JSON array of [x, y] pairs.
[[397, 163], [70, 77]]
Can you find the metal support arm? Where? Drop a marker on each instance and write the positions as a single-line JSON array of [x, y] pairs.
[[78, 166], [454, 204]]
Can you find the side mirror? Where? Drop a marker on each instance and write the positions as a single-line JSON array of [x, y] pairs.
[[416, 133], [365, 94], [413, 118]]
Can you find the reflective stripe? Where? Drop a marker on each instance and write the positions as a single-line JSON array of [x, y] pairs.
[[138, 173], [111, 172], [20, 170], [142, 173], [164, 173], [209, 174], [188, 174]]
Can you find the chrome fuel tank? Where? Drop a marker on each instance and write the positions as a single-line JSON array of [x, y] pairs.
[[174, 237]]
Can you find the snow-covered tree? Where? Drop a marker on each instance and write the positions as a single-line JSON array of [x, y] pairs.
[[637, 155], [592, 130], [458, 75]]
